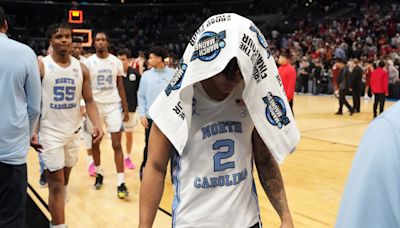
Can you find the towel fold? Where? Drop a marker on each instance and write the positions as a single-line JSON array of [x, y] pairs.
[[219, 39]]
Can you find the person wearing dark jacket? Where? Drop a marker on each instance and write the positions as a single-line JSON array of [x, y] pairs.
[[131, 85], [356, 77], [344, 82], [317, 73]]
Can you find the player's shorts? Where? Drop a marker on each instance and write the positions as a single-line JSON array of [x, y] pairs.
[[59, 151], [133, 121], [110, 115]]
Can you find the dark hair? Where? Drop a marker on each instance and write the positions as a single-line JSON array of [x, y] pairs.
[[230, 69], [286, 54], [381, 63], [101, 32], [77, 39], [124, 51], [3, 17], [53, 28], [159, 51]]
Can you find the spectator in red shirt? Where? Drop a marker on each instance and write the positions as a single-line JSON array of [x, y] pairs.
[[288, 76], [379, 87]]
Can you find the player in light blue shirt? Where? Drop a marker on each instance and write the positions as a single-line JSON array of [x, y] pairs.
[[151, 84], [372, 195], [20, 95]]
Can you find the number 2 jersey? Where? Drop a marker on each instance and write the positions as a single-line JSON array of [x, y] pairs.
[[213, 177], [103, 78], [61, 94]]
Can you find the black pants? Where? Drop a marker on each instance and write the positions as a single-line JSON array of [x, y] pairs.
[[146, 146], [356, 99], [317, 86], [257, 225], [304, 82], [343, 101], [291, 106], [379, 98], [13, 184]]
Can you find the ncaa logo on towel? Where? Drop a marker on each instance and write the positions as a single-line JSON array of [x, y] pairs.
[[209, 46], [176, 81], [260, 36], [275, 110]]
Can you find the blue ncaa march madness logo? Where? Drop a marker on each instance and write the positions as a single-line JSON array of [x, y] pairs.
[[176, 81], [275, 110], [209, 46], [260, 36]]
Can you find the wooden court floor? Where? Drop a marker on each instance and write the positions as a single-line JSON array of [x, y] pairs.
[[314, 175]]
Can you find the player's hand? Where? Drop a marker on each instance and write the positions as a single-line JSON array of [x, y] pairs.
[[35, 143], [126, 116], [336, 93], [97, 135], [144, 122]]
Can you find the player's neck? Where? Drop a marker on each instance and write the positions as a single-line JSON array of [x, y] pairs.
[[61, 60], [102, 54], [212, 91]]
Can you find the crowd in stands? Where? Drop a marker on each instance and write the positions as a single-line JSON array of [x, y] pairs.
[[369, 34], [318, 34]]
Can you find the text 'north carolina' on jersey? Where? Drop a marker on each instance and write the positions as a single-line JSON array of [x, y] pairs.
[[213, 177], [61, 94], [103, 78]]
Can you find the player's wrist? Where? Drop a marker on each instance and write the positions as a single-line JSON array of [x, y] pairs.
[[286, 217]]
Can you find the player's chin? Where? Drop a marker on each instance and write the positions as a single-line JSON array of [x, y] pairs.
[[64, 51]]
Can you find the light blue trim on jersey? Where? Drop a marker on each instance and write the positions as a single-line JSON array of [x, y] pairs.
[[177, 199], [254, 192]]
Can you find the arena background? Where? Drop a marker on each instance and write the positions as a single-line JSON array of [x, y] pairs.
[[318, 30]]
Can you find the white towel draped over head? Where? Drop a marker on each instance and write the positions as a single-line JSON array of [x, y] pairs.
[[219, 39]]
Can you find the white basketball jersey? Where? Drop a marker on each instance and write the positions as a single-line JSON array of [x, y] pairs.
[[213, 177], [103, 78], [61, 93]]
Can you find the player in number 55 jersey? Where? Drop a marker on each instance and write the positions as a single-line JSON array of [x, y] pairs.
[[64, 81]]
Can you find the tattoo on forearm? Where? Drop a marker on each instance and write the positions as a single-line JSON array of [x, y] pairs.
[[271, 180]]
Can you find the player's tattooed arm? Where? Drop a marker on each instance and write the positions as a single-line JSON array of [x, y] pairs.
[[271, 179]]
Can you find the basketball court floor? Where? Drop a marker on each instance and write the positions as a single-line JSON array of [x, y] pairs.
[[314, 174]]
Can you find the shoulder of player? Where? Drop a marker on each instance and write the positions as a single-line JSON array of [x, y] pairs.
[[22, 48], [113, 57], [171, 70], [90, 59], [74, 60], [148, 73]]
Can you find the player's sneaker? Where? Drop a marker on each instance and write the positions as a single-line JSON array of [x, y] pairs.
[[99, 181], [122, 191], [42, 181], [92, 170], [129, 164]]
